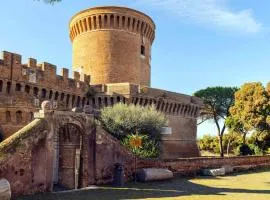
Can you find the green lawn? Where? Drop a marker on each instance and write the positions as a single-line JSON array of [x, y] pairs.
[[253, 185]]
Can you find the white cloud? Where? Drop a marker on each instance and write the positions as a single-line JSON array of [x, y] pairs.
[[212, 12]]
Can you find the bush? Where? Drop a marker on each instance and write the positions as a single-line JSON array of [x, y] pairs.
[[128, 121], [256, 150], [244, 150], [209, 143], [121, 120], [149, 149]]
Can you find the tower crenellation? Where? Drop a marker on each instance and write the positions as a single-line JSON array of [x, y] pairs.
[[113, 45]]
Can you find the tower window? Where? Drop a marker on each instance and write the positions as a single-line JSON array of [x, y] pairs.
[[142, 50], [18, 87]]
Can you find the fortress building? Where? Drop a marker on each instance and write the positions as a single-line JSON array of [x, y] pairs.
[[112, 57]]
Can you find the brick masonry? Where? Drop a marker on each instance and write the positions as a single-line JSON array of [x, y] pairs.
[[107, 57], [28, 158]]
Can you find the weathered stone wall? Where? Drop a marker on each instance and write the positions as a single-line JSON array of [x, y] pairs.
[[24, 159], [109, 151], [27, 158]]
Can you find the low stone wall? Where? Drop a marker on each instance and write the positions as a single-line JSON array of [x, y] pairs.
[[192, 166], [109, 151]]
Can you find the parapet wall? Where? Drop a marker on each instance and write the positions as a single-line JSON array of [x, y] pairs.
[[23, 87], [43, 74], [112, 17]]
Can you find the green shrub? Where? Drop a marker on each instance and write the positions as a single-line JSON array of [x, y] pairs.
[[124, 121], [209, 143], [121, 120], [149, 149], [256, 150]]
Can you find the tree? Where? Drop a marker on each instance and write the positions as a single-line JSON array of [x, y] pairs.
[[217, 102], [252, 107], [252, 110], [209, 143], [235, 125], [231, 140]]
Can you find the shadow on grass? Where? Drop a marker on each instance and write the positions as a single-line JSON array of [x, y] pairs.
[[173, 188]]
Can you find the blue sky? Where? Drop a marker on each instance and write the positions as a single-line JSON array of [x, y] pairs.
[[199, 43]]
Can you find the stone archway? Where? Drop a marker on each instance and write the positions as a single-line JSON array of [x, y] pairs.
[[68, 156]]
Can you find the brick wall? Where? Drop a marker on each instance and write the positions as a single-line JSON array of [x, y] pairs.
[[23, 157], [109, 151]]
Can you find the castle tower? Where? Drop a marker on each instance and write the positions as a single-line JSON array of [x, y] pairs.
[[113, 45]]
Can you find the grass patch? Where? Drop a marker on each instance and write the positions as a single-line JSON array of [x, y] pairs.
[[246, 186]]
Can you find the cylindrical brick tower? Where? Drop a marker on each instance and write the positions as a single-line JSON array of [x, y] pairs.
[[112, 45]]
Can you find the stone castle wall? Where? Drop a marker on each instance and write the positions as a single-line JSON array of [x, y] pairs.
[[27, 158], [23, 87], [113, 45]]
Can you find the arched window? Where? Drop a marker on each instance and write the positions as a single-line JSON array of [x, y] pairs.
[[27, 89], [78, 102], [35, 91], [51, 94], [106, 101], [43, 93], [93, 101], [142, 50], [31, 116], [18, 117], [1, 85], [112, 21], [99, 102], [8, 87], [73, 100], [136, 101], [112, 100], [100, 21], [8, 116], [67, 100], [83, 102], [123, 21], [95, 22], [18, 87], [105, 21], [118, 21], [62, 96], [56, 96]]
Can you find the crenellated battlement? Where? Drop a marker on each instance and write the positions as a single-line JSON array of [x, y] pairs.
[[34, 72], [117, 18]]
